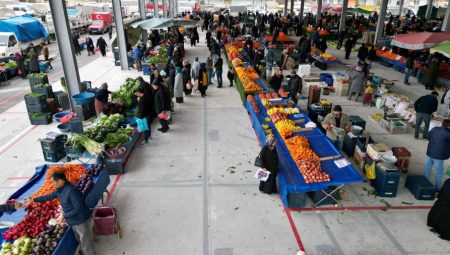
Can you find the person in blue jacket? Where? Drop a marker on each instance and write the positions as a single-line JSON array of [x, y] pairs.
[[76, 212], [137, 56], [438, 151]]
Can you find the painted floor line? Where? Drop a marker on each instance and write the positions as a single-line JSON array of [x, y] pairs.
[[295, 230], [18, 178], [361, 208], [16, 139]]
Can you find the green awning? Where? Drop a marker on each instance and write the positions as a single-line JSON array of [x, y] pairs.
[[443, 48]]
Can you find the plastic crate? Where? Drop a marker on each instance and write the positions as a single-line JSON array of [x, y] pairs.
[[386, 182], [37, 108], [105, 221], [48, 91], [37, 80], [85, 111], [357, 121], [54, 156], [38, 100], [420, 187], [76, 125], [44, 120], [51, 145], [296, 199], [316, 196]]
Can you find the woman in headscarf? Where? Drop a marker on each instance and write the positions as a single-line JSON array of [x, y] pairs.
[[101, 98], [178, 87], [269, 162], [357, 84], [202, 80], [34, 63], [20, 65], [186, 74]]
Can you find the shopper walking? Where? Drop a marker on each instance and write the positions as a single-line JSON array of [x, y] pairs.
[[187, 78], [231, 76], [144, 112], [160, 106], [409, 67], [438, 151], [195, 69], [137, 56], [269, 162], [295, 86], [445, 100], [90, 46], [101, 98], [101, 44], [363, 52], [425, 106], [336, 119], [178, 86], [203, 80], [209, 69], [20, 65], [76, 44], [34, 62], [348, 48], [46, 54], [357, 85], [219, 70], [76, 212]]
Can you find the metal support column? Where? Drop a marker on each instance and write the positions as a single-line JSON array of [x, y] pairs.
[[143, 17], [164, 8], [380, 24], [400, 7], [155, 9], [319, 11], [117, 9], [343, 15], [285, 7], [429, 9], [66, 47], [175, 8], [292, 8], [446, 22], [302, 8]]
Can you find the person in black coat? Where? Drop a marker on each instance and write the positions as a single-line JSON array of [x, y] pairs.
[[348, 48], [231, 76], [276, 80], [269, 162], [295, 86], [150, 95], [363, 52], [425, 106], [90, 46], [144, 111], [160, 105], [101, 44]]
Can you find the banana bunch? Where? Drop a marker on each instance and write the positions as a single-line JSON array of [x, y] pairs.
[[286, 125], [291, 111], [265, 126], [268, 119], [286, 111], [265, 101], [324, 102]]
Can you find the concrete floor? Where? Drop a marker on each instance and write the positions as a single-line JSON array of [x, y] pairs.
[[192, 191]]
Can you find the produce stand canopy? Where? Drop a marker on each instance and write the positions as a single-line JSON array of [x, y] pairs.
[[443, 48], [419, 41]]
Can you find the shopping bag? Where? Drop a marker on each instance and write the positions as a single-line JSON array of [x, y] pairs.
[[370, 171], [164, 115], [262, 174], [258, 161], [142, 124], [188, 85]]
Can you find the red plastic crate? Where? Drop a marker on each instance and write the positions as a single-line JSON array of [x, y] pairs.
[[105, 221]]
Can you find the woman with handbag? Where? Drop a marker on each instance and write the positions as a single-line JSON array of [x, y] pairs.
[[161, 106], [269, 161], [178, 86], [144, 113]]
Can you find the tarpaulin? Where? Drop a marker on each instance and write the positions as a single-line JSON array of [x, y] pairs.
[[25, 27]]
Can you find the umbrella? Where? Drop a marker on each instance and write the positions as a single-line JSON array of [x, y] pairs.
[[150, 23], [443, 48], [419, 41], [177, 23]]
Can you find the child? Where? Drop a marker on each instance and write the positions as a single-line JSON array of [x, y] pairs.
[[230, 76]]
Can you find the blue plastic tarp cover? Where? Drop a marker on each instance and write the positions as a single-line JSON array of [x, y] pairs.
[[25, 27]]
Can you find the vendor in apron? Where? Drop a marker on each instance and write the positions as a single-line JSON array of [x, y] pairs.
[[336, 124]]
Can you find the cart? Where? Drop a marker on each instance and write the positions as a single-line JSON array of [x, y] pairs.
[[106, 221]]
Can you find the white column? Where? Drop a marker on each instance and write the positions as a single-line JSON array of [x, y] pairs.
[[380, 24], [164, 8], [142, 9], [429, 9], [66, 47], [117, 8], [319, 10], [446, 22], [155, 9], [343, 15], [400, 7]]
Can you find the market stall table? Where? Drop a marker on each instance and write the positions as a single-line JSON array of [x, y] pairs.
[[68, 244], [291, 184]]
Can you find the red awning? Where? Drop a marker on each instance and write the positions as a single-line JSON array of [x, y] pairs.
[[150, 6], [420, 41]]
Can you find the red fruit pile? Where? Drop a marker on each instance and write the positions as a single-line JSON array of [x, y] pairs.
[[312, 171], [34, 222], [253, 103]]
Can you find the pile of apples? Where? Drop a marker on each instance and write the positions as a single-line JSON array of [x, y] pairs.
[[312, 171]]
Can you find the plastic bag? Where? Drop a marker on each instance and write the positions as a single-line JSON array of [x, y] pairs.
[[262, 174], [370, 171], [164, 115], [142, 124]]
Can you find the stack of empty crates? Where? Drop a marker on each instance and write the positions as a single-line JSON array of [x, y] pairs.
[[53, 147], [85, 111], [38, 107]]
